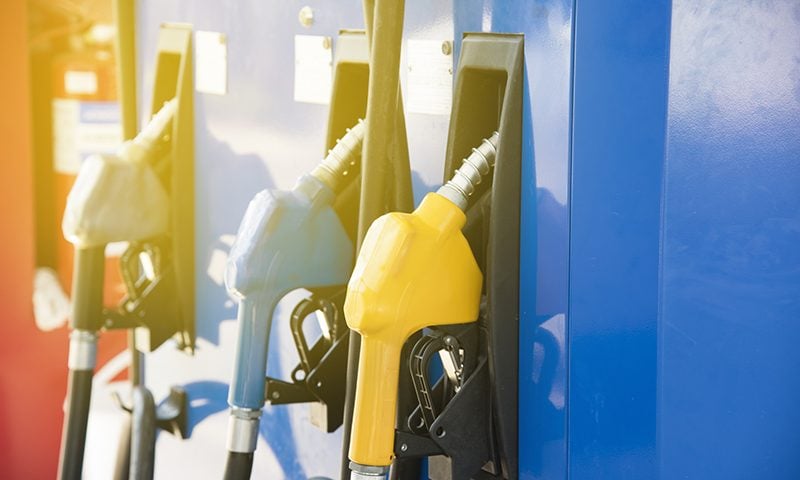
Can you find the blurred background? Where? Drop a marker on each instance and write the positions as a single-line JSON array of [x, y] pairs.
[[42, 41]]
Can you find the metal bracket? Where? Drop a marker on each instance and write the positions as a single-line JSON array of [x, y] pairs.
[[319, 376], [451, 422], [421, 355], [458, 440], [171, 413], [150, 305]]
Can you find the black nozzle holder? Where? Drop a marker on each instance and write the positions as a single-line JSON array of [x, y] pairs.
[[341, 158], [462, 185]]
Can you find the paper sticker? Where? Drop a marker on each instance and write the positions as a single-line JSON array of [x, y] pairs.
[[430, 76], [80, 83], [83, 128], [211, 62], [313, 69]]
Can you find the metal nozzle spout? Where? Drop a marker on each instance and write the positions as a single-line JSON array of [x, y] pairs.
[[366, 476], [367, 472], [341, 158], [142, 147], [464, 181], [158, 126]]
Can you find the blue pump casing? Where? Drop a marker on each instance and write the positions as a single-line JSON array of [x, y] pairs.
[[660, 200]]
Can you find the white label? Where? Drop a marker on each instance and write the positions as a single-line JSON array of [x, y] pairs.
[[211, 62], [83, 128], [65, 145], [430, 77], [80, 83], [313, 69]]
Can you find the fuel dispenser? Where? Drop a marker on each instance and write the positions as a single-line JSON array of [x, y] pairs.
[[446, 277], [143, 195], [302, 238]]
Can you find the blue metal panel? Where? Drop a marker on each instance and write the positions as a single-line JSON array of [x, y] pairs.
[[730, 319], [684, 299], [619, 111], [667, 265]]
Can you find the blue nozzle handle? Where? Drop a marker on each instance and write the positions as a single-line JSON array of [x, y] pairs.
[[287, 240], [250, 370]]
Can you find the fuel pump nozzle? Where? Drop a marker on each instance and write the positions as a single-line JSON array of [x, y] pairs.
[[413, 271], [115, 198], [287, 240], [120, 197]]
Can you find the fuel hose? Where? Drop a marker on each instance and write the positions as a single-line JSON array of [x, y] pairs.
[[385, 178], [87, 318]]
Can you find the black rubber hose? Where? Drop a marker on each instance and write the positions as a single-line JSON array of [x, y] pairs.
[[73, 438], [122, 464], [385, 170], [143, 435], [385, 166], [87, 316], [354, 343], [124, 14], [238, 466]]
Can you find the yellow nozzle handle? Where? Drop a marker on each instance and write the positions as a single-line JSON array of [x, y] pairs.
[[413, 271], [376, 402]]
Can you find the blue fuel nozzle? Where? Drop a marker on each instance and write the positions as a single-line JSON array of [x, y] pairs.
[[287, 240]]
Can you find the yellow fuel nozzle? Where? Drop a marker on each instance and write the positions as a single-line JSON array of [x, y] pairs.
[[413, 271]]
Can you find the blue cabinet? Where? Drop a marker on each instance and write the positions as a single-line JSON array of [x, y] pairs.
[[660, 288]]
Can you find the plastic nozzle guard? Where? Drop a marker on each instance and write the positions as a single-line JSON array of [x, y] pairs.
[[413, 271], [119, 197], [287, 240]]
